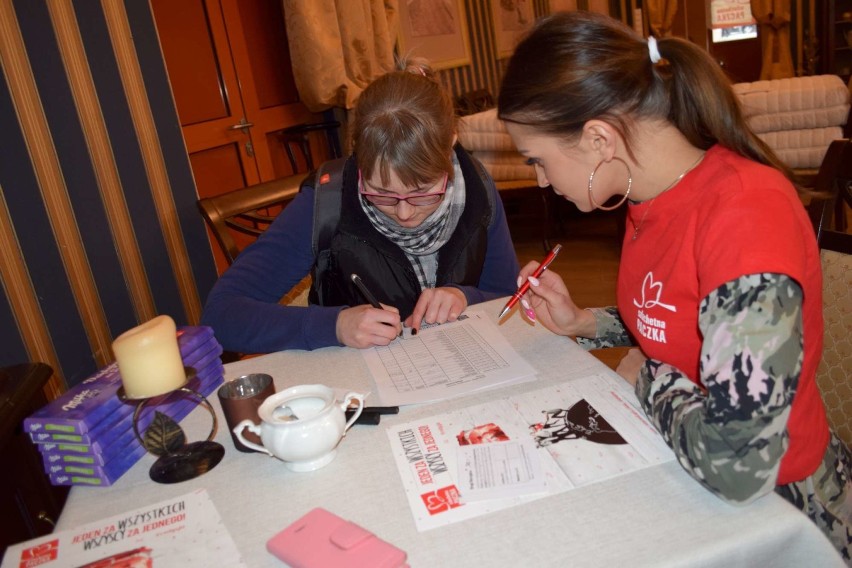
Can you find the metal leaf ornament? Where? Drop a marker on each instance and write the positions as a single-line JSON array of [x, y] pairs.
[[164, 436]]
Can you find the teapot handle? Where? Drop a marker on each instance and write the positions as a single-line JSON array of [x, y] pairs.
[[238, 431], [350, 396]]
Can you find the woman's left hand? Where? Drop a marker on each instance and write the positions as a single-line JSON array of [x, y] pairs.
[[437, 305], [630, 366]]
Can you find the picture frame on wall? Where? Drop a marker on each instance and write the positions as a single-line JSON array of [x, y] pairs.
[[436, 30], [511, 19]]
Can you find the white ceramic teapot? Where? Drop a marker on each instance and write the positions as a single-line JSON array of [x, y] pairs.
[[302, 425]]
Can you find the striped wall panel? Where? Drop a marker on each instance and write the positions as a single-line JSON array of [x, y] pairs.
[[98, 224]]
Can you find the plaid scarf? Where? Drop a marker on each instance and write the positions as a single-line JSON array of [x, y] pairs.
[[421, 244]]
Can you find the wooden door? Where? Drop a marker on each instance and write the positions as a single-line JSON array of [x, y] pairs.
[[229, 66], [741, 59]]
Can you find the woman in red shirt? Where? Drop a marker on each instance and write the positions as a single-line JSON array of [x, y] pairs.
[[719, 283]]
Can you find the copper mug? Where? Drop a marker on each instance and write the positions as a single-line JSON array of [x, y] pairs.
[[240, 399]]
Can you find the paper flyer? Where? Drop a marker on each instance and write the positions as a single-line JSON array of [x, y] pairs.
[[582, 431], [181, 532]]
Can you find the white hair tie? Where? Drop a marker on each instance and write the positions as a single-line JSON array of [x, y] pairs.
[[653, 50]]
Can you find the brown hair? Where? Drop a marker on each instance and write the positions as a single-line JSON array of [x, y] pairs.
[[405, 121], [578, 66]]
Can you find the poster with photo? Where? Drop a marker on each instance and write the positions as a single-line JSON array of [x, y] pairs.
[[579, 432]]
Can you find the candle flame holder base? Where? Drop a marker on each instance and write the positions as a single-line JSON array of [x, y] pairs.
[[178, 461]]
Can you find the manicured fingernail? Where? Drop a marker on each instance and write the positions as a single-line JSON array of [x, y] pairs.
[[528, 309], [533, 280], [413, 331], [520, 281]]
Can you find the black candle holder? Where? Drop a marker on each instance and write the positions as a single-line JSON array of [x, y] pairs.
[[177, 461]]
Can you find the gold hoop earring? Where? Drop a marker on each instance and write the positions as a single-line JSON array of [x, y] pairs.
[[623, 199]]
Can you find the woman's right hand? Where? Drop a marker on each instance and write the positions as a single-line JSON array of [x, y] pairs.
[[553, 306], [365, 326]]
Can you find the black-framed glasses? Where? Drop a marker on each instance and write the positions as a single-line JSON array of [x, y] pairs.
[[392, 199]]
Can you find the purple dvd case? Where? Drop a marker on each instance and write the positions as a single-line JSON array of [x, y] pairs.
[[51, 460], [100, 454], [110, 428], [179, 410], [101, 476], [104, 435], [78, 410], [108, 473]]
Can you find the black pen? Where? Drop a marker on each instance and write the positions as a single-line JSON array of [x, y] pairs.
[[371, 414], [368, 295], [381, 410]]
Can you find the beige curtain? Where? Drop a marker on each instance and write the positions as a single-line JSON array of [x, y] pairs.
[[338, 46], [773, 18], [661, 15]]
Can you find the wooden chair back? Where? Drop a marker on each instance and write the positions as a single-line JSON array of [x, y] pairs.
[[834, 183], [247, 211], [828, 214], [836, 365]]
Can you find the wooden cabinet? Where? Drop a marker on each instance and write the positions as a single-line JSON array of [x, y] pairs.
[[837, 38], [29, 504]]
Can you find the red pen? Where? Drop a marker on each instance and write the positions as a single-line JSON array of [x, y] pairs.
[[526, 285]]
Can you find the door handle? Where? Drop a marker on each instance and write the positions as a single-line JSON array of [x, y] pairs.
[[243, 125]]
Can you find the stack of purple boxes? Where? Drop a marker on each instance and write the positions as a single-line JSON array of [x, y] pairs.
[[86, 435]]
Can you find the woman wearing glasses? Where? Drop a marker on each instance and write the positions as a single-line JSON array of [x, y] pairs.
[[420, 223]]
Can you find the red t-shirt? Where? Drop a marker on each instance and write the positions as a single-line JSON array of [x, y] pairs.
[[727, 218]]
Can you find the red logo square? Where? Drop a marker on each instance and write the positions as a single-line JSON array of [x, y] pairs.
[[441, 500], [40, 554]]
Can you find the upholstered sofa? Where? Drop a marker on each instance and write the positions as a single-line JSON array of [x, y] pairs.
[[797, 117]]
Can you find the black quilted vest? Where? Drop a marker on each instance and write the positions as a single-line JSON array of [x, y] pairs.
[[356, 247]]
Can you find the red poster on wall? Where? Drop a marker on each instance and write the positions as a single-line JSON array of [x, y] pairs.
[[728, 13]]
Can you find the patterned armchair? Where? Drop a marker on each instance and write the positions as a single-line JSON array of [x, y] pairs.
[[835, 178]]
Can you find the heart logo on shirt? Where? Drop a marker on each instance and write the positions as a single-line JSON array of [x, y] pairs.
[[654, 290]]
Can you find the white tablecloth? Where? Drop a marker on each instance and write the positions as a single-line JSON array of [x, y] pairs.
[[657, 516]]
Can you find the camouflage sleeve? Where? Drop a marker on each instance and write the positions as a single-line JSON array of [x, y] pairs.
[[610, 330], [732, 436]]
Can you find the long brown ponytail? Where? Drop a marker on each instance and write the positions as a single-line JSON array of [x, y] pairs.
[[577, 66]]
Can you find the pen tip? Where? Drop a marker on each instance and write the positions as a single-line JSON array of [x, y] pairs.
[[503, 312]]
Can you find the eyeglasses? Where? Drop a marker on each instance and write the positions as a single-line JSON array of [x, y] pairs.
[[392, 199]]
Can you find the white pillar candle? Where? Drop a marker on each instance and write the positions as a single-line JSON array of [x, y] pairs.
[[149, 359]]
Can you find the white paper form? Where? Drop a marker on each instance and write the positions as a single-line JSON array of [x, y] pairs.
[[499, 469], [445, 361]]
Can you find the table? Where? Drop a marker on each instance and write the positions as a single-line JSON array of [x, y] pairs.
[[657, 516]]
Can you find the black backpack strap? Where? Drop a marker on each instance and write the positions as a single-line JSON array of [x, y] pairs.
[[328, 185], [488, 183]]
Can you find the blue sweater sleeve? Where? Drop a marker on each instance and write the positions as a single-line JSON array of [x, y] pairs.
[[501, 268], [243, 307]]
